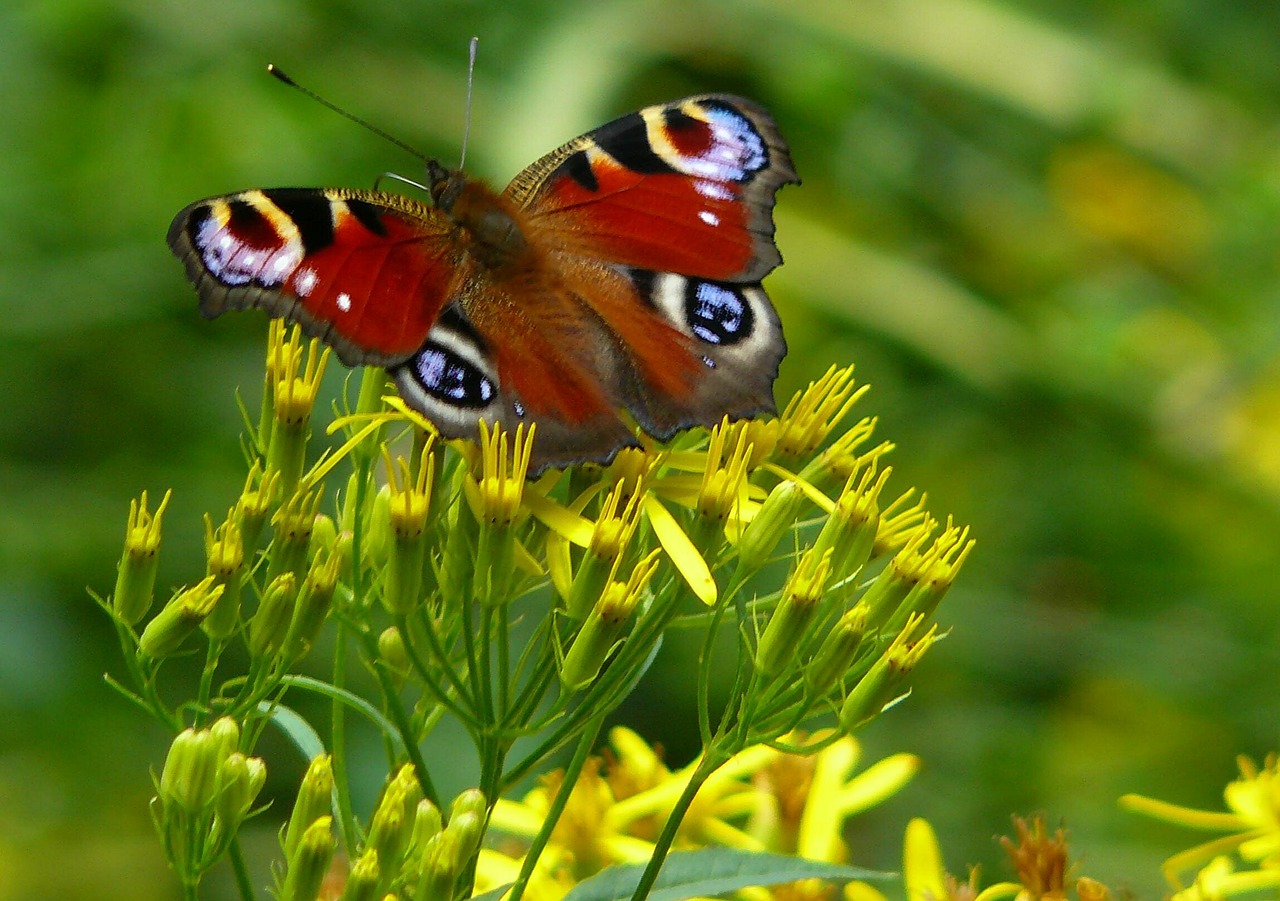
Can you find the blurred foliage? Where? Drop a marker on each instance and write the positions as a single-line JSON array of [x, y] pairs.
[[1044, 231]]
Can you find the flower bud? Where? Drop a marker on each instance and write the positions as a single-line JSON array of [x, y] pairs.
[[838, 651], [256, 500], [441, 862], [136, 574], [472, 801], [604, 626], [790, 621], [469, 829], [189, 779], [309, 862], [363, 881], [878, 689], [312, 803], [775, 517], [393, 655], [314, 601], [224, 550], [179, 618], [850, 530], [226, 732], [294, 523], [392, 824], [426, 824], [240, 778], [293, 377], [270, 623]]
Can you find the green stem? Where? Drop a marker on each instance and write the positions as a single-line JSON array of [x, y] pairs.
[[401, 719], [558, 804], [711, 761], [241, 872], [338, 718]]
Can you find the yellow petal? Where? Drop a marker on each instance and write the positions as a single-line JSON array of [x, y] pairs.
[[680, 549], [559, 519], [881, 780], [922, 863], [1184, 816]]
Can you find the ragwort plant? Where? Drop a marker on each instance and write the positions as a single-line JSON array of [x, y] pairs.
[[527, 610]]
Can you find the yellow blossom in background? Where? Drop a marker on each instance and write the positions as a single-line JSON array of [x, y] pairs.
[[1253, 824], [763, 799]]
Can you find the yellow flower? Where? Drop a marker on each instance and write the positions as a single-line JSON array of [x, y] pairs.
[[762, 799], [1254, 821]]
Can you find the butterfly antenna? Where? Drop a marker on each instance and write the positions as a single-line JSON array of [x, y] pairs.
[[466, 122], [352, 117]]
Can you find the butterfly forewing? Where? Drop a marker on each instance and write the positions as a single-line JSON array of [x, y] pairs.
[[367, 272]]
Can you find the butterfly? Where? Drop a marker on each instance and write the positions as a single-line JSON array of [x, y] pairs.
[[617, 278]]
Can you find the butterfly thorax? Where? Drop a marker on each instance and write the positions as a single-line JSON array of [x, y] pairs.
[[489, 222]]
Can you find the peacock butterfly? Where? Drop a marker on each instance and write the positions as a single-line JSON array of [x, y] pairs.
[[620, 272]]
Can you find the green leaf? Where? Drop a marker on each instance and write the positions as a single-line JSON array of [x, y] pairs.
[[710, 872], [295, 728]]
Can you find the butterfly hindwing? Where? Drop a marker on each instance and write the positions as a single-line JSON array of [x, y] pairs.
[[365, 271]]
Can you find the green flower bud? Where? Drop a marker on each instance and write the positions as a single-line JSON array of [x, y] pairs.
[[240, 778], [930, 571], [294, 523], [609, 538], [850, 530], [604, 626], [293, 380], [469, 828], [189, 779], [838, 651], [774, 519], [392, 825], [179, 618], [312, 803], [314, 601], [780, 643], [472, 801], [393, 655], [136, 574], [878, 689], [363, 881], [226, 732], [270, 623], [441, 862], [426, 824], [256, 500], [407, 510], [224, 549], [309, 862]]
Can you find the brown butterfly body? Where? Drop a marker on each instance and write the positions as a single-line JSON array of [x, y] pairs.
[[621, 272]]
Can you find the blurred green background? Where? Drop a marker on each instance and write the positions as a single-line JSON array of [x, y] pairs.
[[1044, 231]]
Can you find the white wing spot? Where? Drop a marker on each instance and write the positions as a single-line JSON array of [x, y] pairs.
[[344, 302], [711, 189], [709, 217], [305, 281]]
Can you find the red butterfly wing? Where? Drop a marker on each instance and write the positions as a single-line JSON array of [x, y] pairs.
[[684, 187], [661, 222], [365, 271]]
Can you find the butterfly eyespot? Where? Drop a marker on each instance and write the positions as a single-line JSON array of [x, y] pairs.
[[447, 377], [718, 314]]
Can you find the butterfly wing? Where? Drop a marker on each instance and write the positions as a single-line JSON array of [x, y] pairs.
[[661, 223], [366, 272]]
